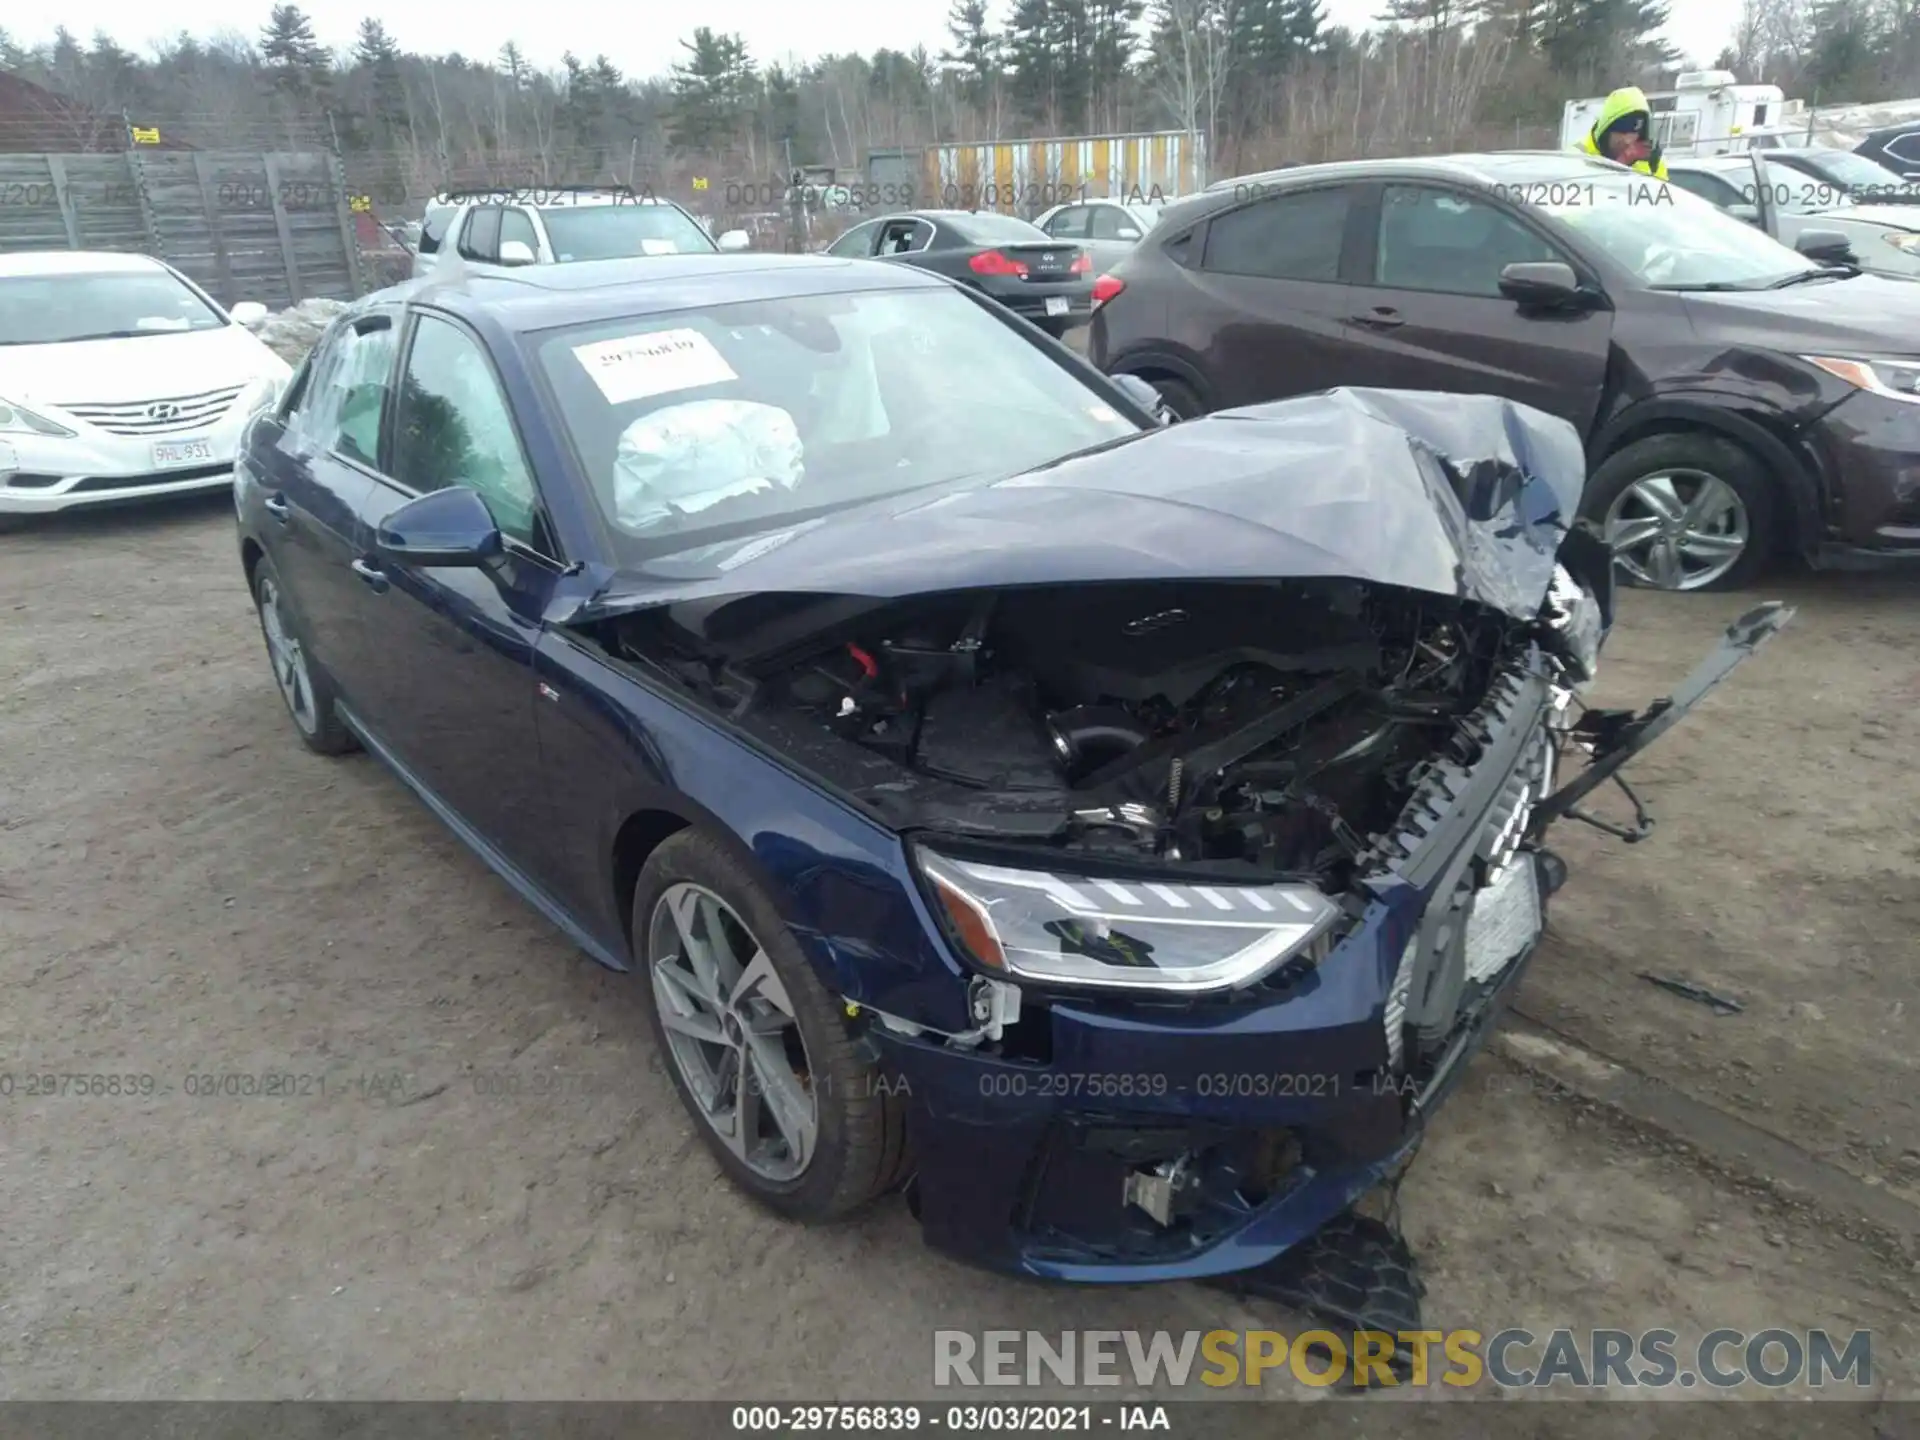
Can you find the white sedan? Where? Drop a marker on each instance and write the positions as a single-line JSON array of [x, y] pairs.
[[120, 379]]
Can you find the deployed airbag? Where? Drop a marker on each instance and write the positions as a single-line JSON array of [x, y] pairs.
[[683, 458]]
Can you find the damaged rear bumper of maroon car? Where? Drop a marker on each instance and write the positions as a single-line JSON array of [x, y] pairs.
[[1220, 763]]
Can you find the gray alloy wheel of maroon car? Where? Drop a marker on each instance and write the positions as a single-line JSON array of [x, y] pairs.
[[1685, 511]]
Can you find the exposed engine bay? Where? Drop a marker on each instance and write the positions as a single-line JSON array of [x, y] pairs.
[[1279, 726]]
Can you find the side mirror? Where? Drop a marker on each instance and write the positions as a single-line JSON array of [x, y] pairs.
[[249, 313], [517, 252], [1828, 247], [1543, 284], [1743, 211], [1142, 393], [441, 528], [735, 240]]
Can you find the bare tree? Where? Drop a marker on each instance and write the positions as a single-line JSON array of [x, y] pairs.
[[1193, 61]]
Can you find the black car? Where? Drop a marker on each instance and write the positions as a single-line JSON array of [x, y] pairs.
[[1737, 398], [1895, 146], [1045, 280]]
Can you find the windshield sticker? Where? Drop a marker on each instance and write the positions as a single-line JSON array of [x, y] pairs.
[[651, 246], [637, 366]]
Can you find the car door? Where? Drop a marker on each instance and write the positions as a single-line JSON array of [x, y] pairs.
[[316, 477], [453, 647], [1429, 302], [1273, 318]]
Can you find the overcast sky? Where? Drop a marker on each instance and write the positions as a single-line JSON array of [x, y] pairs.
[[634, 37]]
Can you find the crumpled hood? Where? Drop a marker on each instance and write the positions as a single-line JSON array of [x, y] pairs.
[[1465, 496], [157, 366]]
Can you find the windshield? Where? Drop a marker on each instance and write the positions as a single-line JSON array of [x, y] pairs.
[[1669, 239], [989, 229], [709, 424], [1860, 176], [98, 305], [620, 231]]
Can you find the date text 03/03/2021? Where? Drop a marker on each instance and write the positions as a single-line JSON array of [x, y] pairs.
[[954, 1419]]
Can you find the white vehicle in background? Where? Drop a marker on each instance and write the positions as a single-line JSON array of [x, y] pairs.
[[507, 229], [1106, 229], [1790, 204], [120, 379]]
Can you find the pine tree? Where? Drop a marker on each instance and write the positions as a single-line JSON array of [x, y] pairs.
[[712, 90], [295, 58], [513, 65], [375, 52], [12, 57], [973, 59]]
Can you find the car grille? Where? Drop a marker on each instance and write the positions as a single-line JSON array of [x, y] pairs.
[[1484, 920], [165, 416]]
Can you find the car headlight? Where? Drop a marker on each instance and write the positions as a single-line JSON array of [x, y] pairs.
[[1573, 615], [18, 420], [1123, 934], [1895, 379], [1906, 241]]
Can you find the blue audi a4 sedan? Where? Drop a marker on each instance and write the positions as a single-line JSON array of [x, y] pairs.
[[1116, 834]]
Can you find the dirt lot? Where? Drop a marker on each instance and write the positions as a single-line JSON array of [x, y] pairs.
[[184, 890]]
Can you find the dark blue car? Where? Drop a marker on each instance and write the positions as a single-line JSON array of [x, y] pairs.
[[1117, 834]]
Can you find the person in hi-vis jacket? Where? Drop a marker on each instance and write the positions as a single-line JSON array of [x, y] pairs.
[[1624, 133]]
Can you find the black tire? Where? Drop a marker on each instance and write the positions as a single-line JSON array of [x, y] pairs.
[[322, 732], [860, 1151], [1713, 455], [1180, 397]]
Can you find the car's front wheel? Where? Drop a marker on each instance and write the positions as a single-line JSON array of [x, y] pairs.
[[756, 1046], [303, 685], [1685, 511], [1178, 396]]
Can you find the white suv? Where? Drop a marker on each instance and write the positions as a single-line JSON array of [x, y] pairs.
[[551, 227]]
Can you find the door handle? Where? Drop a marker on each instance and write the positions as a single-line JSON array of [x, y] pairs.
[[276, 506], [1381, 317], [375, 577]]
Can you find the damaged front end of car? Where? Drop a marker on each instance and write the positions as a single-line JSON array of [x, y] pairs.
[[1236, 857]]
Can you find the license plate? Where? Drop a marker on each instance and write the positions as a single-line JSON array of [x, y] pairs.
[[1056, 305], [170, 453]]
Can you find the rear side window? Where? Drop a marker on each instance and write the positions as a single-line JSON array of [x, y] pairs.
[[346, 394], [1069, 224], [514, 225], [480, 240], [1285, 237]]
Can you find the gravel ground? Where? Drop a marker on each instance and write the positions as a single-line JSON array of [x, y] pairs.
[[184, 890]]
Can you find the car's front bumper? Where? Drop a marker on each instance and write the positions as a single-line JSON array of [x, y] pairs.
[[40, 475], [1873, 445], [1287, 1102]]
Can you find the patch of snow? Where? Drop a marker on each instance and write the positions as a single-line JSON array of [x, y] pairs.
[[291, 333]]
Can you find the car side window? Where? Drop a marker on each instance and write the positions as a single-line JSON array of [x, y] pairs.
[[1110, 220], [1069, 224], [857, 243], [455, 428], [1282, 237], [515, 225], [480, 239], [1710, 188], [346, 394], [903, 237], [1449, 243]]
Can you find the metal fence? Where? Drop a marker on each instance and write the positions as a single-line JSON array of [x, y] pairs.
[[271, 227]]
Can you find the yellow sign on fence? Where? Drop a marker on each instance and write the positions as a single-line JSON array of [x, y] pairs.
[[146, 137], [699, 182]]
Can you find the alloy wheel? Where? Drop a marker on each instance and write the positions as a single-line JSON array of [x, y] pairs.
[[1678, 529], [731, 1031], [289, 659]]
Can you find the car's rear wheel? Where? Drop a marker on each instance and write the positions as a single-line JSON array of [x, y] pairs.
[[756, 1046], [1180, 397], [303, 685], [1685, 511]]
